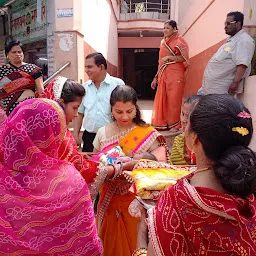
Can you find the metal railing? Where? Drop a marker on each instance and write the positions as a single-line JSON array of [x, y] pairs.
[[48, 80], [131, 6]]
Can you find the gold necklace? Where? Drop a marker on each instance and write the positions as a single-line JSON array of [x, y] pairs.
[[202, 169], [126, 129]]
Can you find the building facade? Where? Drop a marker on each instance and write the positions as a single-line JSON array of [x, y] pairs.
[[126, 32]]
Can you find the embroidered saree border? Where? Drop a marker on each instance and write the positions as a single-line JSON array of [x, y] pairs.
[[151, 220]]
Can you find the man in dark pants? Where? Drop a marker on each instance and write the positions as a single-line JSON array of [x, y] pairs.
[[95, 107]]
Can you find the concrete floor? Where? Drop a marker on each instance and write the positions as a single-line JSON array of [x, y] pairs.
[[146, 107]]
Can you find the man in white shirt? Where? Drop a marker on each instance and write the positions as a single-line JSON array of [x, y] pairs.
[[95, 108], [226, 70]]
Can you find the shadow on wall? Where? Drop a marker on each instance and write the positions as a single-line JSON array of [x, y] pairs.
[[196, 69]]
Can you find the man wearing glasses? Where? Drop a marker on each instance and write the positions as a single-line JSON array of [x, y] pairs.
[[226, 70]]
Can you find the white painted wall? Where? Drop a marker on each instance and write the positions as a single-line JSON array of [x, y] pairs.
[[100, 28]]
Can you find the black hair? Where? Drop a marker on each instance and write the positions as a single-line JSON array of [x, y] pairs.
[[125, 93], [98, 58], [213, 120], [13, 43], [238, 16], [71, 91], [172, 23], [193, 99]]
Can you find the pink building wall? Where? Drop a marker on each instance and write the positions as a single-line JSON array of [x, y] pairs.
[[202, 25], [65, 39]]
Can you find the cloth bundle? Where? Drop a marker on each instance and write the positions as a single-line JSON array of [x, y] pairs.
[[151, 178], [113, 156]]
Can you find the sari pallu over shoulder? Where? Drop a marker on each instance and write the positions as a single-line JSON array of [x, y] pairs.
[[134, 141], [45, 204], [116, 227], [137, 140], [174, 46], [200, 221], [14, 80], [171, 82], [68, 150]]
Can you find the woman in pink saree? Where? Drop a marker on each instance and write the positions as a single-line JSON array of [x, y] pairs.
[[45, 205]]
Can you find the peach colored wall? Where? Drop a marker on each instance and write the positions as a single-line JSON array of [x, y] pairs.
[[67, 39], [112, 69], [66, 23], [208, 30], [115, 4], [100, 28], [139, 42], [156, 25], [202, 25], [188, 11], [196, 69]]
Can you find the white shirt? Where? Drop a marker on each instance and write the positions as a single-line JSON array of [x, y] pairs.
[[221, 69], [96, 103]]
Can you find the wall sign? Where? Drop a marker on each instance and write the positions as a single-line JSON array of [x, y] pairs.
[[25, 23], [67, 12]]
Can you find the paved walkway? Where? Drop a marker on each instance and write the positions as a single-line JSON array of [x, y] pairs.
[[146, 107]]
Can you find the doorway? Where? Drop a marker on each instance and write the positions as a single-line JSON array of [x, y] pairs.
[[139, 68]]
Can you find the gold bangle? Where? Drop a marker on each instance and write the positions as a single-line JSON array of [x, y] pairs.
[[140, 252]]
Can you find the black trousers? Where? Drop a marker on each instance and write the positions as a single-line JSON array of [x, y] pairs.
[[88, 138]]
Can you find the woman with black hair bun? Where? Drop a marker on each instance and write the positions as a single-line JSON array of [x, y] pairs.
[[213, 210]]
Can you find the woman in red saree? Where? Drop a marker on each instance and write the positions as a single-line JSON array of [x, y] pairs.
[[18, 80], [173, 61], [69, 95], [45, 203], [212, 211]]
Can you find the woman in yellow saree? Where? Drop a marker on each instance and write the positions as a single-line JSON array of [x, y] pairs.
[[116, 227]]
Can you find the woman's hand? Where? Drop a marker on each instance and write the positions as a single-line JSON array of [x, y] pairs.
[[87, 155], [153, 84], [77, 140], [39, 85], [128, 166], [172, 58], [142, 239], [166, 59]]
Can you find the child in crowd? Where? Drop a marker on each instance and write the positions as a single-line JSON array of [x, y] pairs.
[[180, 154]]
